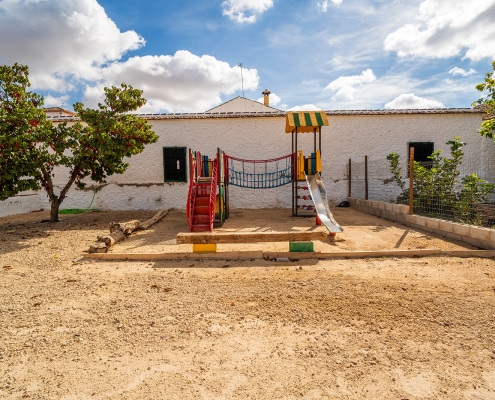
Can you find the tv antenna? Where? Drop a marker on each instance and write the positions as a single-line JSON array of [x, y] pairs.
[[242, 78]]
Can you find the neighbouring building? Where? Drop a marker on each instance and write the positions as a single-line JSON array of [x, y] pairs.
[[247, 129]]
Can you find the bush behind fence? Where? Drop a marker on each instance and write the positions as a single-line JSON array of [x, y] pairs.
[[465, 203]]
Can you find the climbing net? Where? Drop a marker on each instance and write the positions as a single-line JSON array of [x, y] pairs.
[[260, 174]]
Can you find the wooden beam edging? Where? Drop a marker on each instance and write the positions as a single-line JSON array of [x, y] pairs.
[[354, 254], [228, 255], [259, 255], [249, 237]]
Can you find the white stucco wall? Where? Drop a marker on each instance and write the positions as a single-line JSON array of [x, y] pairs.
[[347, 136]]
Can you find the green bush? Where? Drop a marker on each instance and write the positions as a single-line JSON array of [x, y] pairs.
[[435, 187]]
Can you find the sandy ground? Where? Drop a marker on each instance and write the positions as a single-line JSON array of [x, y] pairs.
[[389, 328], [361, 232]]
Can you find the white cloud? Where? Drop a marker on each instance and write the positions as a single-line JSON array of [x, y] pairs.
[[459, 71], [245, 11], [72, 44], [182, 82], [305, 107], [61, 40], [345, 86], [409, 100], [274, 99], [323, 6], [448, 28], [51, 101]]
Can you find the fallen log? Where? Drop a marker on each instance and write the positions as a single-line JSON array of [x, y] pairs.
[[114, 237], [120, 230], [157, 217], [99, 247], [125, 227]]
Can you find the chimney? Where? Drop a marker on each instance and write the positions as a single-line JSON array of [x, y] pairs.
[[266, 97]]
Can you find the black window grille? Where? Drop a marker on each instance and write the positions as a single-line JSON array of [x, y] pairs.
[[174, 164], [422, 150]]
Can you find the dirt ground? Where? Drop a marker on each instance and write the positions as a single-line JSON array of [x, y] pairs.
[[388, 328]]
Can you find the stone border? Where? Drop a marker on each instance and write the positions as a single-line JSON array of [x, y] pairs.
[[480, 237]]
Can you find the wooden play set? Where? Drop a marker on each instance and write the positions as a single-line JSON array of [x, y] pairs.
[[210, 178]]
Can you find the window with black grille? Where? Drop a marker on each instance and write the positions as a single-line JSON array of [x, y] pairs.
[[422, 150], [174, 164]]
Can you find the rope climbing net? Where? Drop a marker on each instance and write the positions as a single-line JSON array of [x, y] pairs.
[[260, 174]]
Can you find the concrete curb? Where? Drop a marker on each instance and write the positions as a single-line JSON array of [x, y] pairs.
[[476, 236]]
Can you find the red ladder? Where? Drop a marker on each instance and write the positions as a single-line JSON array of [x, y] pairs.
[[201, 199]]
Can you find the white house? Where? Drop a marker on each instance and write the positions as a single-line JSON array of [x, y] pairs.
[[259, 133]]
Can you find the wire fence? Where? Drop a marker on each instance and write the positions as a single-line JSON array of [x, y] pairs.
[[461, 193]]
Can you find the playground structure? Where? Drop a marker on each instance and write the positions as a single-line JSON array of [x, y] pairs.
[[208, 197]]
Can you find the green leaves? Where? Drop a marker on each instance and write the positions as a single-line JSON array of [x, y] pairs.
[[22, 125], [488, 102], [436, 187], [110, 134], [31, 147]]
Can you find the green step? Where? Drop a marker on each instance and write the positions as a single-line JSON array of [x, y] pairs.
[[301, 247]]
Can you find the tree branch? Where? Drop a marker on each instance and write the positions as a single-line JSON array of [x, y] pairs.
[[68, 185]]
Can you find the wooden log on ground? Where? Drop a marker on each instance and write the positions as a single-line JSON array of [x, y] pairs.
[[248, 237], [111, 239], [157, 217], [119, 231], [99, 247], [124, 227]]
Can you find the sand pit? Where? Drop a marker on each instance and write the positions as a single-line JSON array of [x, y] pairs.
[[361, 232]]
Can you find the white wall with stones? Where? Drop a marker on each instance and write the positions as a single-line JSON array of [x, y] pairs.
[[264, 137]]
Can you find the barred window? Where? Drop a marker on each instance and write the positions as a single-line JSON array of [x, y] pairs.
[[422, 150], [174, 164]]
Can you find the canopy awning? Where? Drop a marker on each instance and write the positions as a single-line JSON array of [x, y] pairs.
[[305, 121]]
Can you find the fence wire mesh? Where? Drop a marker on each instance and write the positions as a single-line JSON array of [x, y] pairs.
[[464, 194]]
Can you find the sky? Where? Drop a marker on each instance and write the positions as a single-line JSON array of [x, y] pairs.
[[185, 55]]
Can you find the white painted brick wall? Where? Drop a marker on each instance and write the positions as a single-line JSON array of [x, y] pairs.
[[352, 136]]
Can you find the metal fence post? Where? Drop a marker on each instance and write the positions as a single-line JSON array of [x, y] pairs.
[[411, 180], [349, 191], [366, 177]]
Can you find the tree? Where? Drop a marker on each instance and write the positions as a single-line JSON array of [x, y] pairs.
[[23, 124], [488, 103], [95, 147]]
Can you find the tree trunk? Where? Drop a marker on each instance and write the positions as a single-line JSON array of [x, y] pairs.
[[54, 209]]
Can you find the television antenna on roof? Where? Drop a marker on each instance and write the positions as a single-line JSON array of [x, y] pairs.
[[242, 78]]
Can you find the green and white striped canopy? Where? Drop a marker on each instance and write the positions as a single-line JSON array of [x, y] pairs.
[[305, 121]]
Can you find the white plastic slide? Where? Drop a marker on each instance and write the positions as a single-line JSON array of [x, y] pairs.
[[319, 196]]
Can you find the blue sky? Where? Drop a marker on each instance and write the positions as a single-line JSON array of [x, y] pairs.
[[335, 54]]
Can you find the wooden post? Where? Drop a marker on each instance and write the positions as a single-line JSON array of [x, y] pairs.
[[297, 172], [349, 191], [294, 183], [366, 177], [319, 147], [411, 180]]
